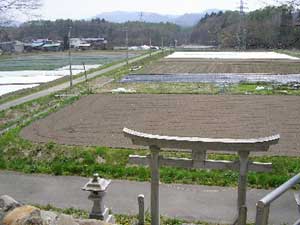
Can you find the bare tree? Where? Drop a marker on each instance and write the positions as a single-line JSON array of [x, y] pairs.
[[294, 3], [12, 9]]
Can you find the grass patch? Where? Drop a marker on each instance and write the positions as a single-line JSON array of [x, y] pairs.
[[75, 213], [264, 89], [21, 155], [32, 110], [291, 52], [120, 219], [205, 88], [129, 220], [164, 88]]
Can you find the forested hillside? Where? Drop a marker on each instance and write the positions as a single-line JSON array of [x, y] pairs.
[[139, 32], [271, 27]]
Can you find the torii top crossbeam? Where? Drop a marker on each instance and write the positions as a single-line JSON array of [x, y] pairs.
[[222, 144]]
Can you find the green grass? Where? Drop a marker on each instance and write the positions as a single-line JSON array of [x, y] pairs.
[[21, 155], [204, 88], [120, 219], [129, 220], [75, 213], [268, 89], [27, 112], [291, 52]]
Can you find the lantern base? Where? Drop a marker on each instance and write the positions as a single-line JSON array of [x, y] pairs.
[[105, 216]]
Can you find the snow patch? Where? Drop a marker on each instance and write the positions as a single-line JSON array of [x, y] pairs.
[[123, 90], [11, 81], [11, 88]]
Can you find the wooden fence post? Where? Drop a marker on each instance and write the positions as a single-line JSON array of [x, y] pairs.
[[141, 202]]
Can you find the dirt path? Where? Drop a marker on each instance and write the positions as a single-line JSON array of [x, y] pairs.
[[99, 119]]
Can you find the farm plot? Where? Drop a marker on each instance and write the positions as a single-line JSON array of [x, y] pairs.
[[230, 55], [98, 120], [202, 66], [55, 60]]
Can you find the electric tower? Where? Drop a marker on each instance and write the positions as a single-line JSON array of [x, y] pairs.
[[242, 31]]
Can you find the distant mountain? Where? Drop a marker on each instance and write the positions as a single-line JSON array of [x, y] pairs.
[[122, 16], [186, 20], [10, 23], [191, 19]]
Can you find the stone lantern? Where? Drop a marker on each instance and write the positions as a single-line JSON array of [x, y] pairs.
[[98, 188]]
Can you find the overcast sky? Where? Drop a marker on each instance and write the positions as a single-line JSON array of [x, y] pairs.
[[80, 9]]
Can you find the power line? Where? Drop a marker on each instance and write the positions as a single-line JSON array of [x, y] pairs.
[[127, 47], [242, 8], [141, 17]]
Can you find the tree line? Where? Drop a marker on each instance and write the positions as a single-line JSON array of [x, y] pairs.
[[139, 33], [270, 27]]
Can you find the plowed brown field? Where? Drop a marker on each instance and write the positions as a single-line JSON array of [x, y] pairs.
[[98, 120], [171, 66]]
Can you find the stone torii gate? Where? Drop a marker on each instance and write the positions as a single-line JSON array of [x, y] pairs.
[[199, 147]]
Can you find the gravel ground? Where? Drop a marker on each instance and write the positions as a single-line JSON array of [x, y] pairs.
[[99, 119]]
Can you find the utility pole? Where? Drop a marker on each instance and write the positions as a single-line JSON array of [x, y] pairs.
[[141, 17], [162, 43], [70, 58], [150, 43], [85, 74], [242, 27], [127, 55], [141, 24]]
